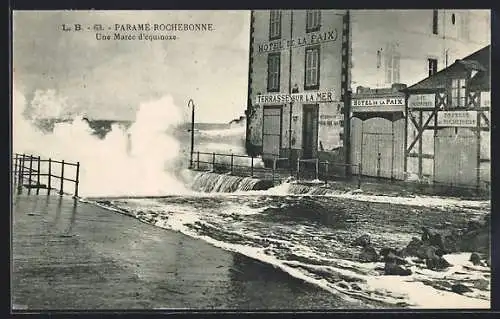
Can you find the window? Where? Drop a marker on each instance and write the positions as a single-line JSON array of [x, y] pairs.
[[273, 72], [313, 20], [432, 65], [392, 67], [312, 68], [434, 21], [274, 24], [457, 93]]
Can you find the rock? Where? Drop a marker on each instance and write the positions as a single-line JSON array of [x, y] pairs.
[[432, 238], [368, 254], [363, 240], [412, 247], [451, 243], [391, 269], [386, 250], [437, 263], [477, 241], [473, 225], [424, 251], [475, 259], [482, 284], [430, 252], [460, 289], [391, 257]]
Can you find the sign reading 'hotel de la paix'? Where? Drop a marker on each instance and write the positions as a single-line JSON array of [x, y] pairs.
[[309, 39]]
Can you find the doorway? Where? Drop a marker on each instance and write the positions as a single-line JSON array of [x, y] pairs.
[[271, 132], [310, 131]]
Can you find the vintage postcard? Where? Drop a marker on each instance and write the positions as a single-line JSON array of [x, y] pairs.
[[251, 160]]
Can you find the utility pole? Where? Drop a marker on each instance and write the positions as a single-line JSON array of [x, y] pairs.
[[191, 104], [347, 97]]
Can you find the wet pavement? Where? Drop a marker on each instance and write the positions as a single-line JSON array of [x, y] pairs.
[[73, 255]]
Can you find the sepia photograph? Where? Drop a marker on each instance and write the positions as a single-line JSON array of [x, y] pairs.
[[249, 160]]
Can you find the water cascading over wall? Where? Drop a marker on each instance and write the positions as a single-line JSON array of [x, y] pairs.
[[208, 182]]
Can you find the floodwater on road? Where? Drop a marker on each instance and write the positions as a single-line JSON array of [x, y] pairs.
[[310, 237]]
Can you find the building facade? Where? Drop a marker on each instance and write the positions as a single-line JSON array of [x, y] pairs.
[[303, 63], [448, 124], [297, 71], [405, 46]]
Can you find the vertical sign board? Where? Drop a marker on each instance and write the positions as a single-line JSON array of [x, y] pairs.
[[486, 99], [329, 127]]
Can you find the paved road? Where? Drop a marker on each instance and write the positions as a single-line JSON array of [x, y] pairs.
[[73, 255]]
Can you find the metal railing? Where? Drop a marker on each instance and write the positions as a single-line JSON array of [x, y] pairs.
[[28, 172], [237, 164], [244, 165], [324, 171]]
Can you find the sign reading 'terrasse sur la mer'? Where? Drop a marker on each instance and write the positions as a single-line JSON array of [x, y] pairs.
[[305, 97], [420, 101], [311, 38], [457, 118]]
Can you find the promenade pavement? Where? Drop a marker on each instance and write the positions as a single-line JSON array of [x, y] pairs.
[[71, 255]]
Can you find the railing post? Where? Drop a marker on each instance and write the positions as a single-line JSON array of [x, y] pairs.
[[77, 179], [360, 172], [274, 167], [61, 188], [38, 177], [30, 172], [16, 165], [213, 161], [232, 161], [198, 160], [251, 167], [21, 171], [49, 186], [317, 168], [378, 165], [298, 168], [38, 172], [326, 172]]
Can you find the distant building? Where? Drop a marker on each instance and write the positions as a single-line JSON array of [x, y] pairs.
[[307, 60]]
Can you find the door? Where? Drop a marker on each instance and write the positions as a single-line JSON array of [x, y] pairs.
[[455, 159], [310, 131], [271, 132], [381, 147], [378, 158]]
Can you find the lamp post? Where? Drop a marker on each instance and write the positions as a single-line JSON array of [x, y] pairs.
[[290, 91], [191, 104]]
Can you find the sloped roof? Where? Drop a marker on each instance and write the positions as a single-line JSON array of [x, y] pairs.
[[478, 61]]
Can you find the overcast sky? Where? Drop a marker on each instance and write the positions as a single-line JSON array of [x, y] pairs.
[[111, 78]]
